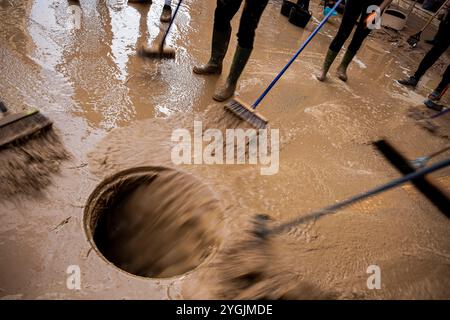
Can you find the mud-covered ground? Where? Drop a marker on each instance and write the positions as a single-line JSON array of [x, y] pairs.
[[115, 110]]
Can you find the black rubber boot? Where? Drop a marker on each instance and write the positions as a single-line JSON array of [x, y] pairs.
[[166, 14], [219, 47], [240, 59], [411, 81], [342, 69], [331, 55]]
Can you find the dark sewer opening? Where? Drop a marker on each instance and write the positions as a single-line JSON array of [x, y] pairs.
[[153, 222]]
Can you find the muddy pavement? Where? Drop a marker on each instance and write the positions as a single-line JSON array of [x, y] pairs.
[[115, 110]]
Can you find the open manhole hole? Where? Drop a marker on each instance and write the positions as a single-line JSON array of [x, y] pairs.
[[153, 221]]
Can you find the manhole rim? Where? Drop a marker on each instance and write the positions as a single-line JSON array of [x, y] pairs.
[[111, 180]]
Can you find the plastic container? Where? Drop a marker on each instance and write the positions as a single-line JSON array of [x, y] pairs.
[[299, 17], [286, 7], [393, 19]]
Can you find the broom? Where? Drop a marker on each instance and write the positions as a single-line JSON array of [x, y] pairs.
[[19, 126], [415, 38], [247, 113], [247, 264], [162, 52], [29, 151], [261, 232]]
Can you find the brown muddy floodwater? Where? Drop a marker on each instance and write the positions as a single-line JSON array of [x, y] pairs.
[[115, 111]]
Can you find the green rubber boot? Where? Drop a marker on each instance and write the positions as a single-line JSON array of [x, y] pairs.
[[342, 69], [240, 59], [331, 55], [166, 14], [219, 47]]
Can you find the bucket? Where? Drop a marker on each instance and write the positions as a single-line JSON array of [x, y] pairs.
[[393, 19], [286, 7], [299, 17]]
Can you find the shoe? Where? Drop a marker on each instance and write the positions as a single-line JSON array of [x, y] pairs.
[[432, 105], [342, 69], [435, 95], [240, 59], [219, 47], [331, 55], [411, 82], [166, 14]]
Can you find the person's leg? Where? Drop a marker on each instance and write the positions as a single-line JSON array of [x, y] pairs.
[[428, 60], [360, 35], [351, 12], [442, 86], [166, 13], [251, 15], [225, 11]]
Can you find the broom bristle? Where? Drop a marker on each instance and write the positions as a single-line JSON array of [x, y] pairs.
[[23, 129], [157, 53], [243, 112]]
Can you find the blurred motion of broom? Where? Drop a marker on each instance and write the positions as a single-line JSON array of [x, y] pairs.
[[247, 264], [29, 152]]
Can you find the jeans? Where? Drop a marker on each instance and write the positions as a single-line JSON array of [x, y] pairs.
[[353, 10], [253, 9]]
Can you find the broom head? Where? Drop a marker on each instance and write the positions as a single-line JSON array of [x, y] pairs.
[[414, 39], [246, 113], [20, 126], [158, 52]]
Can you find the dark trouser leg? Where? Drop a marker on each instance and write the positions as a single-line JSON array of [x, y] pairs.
[[225, 11], [251, 15], [430, 58], [445, 80], [352, 11], [253, 10], [361, 33]]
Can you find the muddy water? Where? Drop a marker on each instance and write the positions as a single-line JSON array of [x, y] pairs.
[[154, 222], [115, 111]]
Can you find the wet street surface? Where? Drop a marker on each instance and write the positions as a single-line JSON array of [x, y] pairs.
[[115, 110]]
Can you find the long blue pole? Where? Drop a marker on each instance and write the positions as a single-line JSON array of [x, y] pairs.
[[333, 208], [171, 22], [325, 19]]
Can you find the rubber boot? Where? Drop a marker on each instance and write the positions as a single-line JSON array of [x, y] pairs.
[[166, 14], [219, 47], [342, 69], [331, 55], [240, 59]]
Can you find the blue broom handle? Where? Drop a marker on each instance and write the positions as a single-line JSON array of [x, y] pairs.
[[394, 183], [296, 55], [440, 113], [171, 22]]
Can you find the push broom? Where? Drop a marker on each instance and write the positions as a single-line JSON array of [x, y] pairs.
[[246, 266], [15, 127], [248, 113], [29, 151], [415, 38], [160, 51]]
